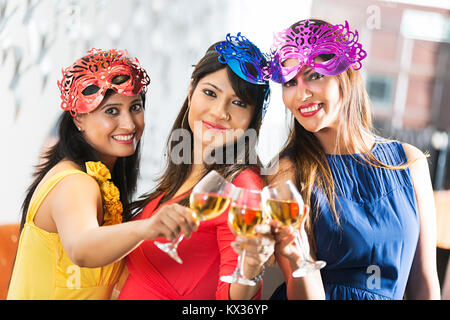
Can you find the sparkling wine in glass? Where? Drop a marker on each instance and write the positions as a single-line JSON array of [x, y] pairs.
[[284, 203], [210, 197], [244, 214], [206, 206]]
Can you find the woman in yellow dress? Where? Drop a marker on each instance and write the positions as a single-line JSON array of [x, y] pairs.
[[72, 236]]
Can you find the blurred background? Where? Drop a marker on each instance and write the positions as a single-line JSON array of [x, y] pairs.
[[406, 74]]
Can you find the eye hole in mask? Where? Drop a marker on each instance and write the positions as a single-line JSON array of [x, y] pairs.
[[251, 69], [90, 90], [121, 78], [93, 89], [290, 62], [323, 58]]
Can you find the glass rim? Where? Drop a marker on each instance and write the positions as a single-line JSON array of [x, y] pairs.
[[247, 190], [279, 184], [222, 181]]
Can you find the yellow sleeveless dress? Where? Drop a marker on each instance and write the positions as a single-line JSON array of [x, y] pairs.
[[42, 269]]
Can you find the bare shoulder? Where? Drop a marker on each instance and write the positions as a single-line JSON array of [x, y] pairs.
[[74, 196], [285, 170], [61, 166], [418, 160], [67, 195], [420, 172], [66, 165], [74, 184], [413, 153], [286, 164], [79, 182]]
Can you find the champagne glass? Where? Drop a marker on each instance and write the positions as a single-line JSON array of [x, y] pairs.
[[244, 214], [284, 203], [210, 197]]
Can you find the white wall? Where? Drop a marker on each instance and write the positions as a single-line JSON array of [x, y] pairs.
[[38, 38]]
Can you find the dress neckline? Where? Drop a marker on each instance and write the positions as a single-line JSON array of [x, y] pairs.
[[180, 195], [374, 147]]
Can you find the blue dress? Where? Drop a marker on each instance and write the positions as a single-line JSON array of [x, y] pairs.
[[369, 256]]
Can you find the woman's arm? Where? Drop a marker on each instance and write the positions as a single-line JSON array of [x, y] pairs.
[[309, 286], [423, 280], [75, 204]]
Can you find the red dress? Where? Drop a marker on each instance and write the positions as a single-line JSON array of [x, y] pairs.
[[206, 256]]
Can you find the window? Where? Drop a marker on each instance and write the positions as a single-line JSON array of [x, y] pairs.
[[380, 88]]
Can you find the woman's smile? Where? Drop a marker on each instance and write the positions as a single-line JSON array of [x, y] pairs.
[[310, 109], [124, 138], [213, 126]]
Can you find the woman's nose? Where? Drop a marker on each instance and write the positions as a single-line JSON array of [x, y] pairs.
[[219, 110], [302, 90], [127, 121]]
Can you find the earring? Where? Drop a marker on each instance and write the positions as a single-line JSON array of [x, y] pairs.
[[184, 116]]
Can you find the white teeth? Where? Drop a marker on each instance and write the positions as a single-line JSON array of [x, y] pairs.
[[311, 109], [124, 138]]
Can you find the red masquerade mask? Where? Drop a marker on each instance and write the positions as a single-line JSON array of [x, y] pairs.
[[84, 84]]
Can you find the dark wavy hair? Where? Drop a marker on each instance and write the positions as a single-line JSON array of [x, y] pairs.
[[174, 175], [72, 146]]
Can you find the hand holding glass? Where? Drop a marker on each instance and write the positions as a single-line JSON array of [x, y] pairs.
[[284, 203], [245, 213], [209, 198]]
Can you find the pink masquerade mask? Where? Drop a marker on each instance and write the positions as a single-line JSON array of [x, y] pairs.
[[84, 84], [309, 40]]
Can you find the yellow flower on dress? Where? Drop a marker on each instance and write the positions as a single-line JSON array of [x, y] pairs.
[[114, 217], [109, 191], [98, 170], [112, 207]]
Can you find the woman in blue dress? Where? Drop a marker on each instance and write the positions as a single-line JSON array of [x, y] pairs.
[[372, 216]]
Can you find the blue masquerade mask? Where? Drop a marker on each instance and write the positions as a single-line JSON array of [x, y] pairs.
[[246, 61], [243, 57]]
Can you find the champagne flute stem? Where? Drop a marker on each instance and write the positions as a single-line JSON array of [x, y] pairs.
[[177, 241], [240, 265], [299, 245]]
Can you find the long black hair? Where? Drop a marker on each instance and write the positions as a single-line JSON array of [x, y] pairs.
[[72, 146], [174, 175]]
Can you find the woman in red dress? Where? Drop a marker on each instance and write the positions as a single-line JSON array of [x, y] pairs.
[[216, 129]]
